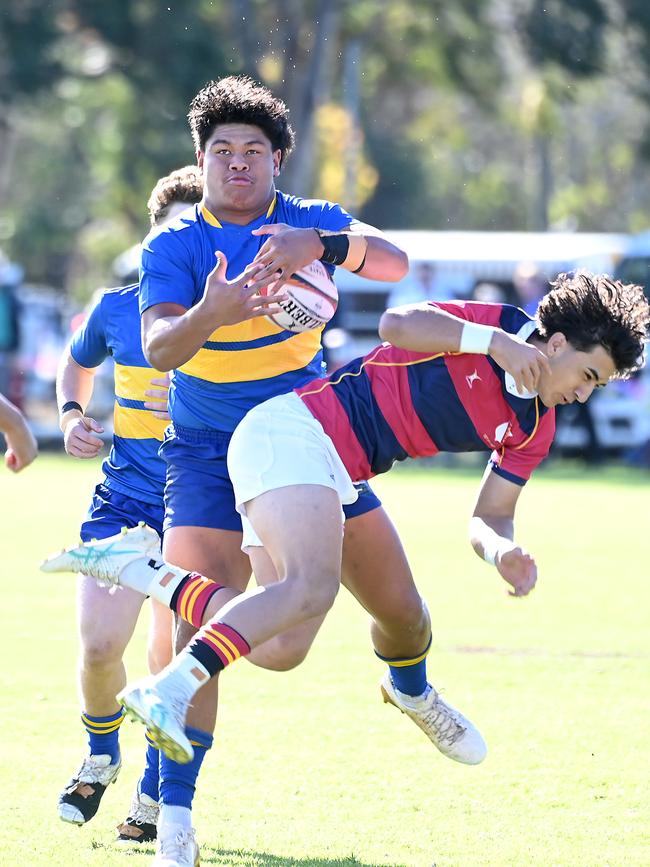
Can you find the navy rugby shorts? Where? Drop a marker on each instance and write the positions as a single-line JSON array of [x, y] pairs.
[[111, 510]]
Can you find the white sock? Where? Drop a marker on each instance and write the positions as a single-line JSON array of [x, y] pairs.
[[153, 577], [172, 815], [184, 675]]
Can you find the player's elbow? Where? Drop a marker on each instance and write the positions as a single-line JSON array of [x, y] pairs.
[[391, 325], [398, 266]]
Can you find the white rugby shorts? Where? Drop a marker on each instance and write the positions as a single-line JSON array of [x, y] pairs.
[[277, 444]]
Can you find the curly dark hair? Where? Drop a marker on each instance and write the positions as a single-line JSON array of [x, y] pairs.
[[592, 310], [183, 185], [239, 99]]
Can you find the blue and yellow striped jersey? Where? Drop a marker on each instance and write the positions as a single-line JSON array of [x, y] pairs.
[[113, 329], [240, 365]]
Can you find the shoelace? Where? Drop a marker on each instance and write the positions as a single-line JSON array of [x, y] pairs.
[[91, 772], [441, 718], [178, 847], [143, 814]]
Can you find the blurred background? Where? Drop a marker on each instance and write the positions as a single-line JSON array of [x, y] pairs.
[[498, 141]]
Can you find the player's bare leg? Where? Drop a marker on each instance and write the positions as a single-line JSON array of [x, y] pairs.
[[106, 620], [216, 554], [308, 566], [376, 571]]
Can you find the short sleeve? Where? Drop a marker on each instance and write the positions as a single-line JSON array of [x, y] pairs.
[[88, 346], [166, 273], [483, 313], [517, 464]]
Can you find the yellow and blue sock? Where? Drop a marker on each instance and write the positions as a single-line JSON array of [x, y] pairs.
[[103, 734], [409, 674], [149, 783], [178, 782]]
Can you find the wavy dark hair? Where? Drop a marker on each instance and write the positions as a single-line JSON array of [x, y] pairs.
[[592, 310], [183, 185], [239, 99]]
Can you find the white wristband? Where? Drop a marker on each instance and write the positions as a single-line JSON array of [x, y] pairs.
[[475, 339], [493, 548]]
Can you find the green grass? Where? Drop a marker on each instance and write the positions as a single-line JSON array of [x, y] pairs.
[[309, 768]]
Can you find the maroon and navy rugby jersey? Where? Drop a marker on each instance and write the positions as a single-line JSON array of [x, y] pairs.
[[394, 403]]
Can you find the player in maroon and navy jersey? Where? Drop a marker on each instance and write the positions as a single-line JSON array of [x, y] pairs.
[[456, 377]]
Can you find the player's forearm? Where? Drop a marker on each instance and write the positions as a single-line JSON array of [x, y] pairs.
[[170, 341], [490, 535], [73, 383], [11, 418]]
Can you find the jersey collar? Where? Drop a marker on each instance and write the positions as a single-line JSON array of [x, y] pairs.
[[210, 218], [524, 333]]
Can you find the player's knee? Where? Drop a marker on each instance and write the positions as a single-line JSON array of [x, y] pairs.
[[318, 597], [158, 656], [101, 651]]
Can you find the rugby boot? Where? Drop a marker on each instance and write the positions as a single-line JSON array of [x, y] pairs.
[[107, 558], [80, 799], [155, 702], [140, 825], [452, 733], [176, 847]]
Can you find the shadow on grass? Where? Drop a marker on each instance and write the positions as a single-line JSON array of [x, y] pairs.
[[246, 858]]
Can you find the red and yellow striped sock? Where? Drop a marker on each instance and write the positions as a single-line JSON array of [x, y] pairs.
[[218, 645], [192, 596]]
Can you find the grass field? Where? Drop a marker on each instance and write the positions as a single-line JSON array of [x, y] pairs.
[[309, 769]]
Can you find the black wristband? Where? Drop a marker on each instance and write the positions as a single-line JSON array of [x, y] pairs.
[[335, 248], [71, 404]]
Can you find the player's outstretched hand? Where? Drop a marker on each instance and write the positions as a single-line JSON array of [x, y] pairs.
[[227, 302], [285, 251], [519, 569], [524, 362], [80, 437], [21, 447], [158, 396]]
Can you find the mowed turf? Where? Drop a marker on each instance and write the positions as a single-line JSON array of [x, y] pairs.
[[309, 768]]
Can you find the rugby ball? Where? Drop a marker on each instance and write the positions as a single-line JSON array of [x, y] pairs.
[[312, 298]]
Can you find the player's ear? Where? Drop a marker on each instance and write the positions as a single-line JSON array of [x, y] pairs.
[[277, 162], [556, 344], [200, 156]]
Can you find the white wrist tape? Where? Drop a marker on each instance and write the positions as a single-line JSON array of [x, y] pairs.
[[475, 339], [493, 547]]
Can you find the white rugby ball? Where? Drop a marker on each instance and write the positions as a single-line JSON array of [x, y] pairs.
[[312, 299]]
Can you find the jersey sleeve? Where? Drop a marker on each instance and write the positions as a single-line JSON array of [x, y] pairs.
[[166, 274], [517, 464], [88, 345], [483, 313]]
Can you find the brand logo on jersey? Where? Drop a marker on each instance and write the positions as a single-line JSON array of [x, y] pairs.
[[472, 378], [502, 432]]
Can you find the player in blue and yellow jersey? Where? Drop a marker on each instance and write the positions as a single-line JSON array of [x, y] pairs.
[[131, 491], [202, 316], [458, 377]]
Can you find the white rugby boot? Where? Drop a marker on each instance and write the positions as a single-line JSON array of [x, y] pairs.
[[452, 733], [176, 847], [105, 559], [163, 709]]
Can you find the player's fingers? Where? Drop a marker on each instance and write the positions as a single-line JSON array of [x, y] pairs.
[[157, 393], [270, 229], [162, 381], [161, 414]]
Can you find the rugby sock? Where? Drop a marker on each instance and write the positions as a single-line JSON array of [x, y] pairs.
[[191, 597], [211, 649], [409, 674], [148, 783], [187, 593], [103, 734], [178, 782]]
